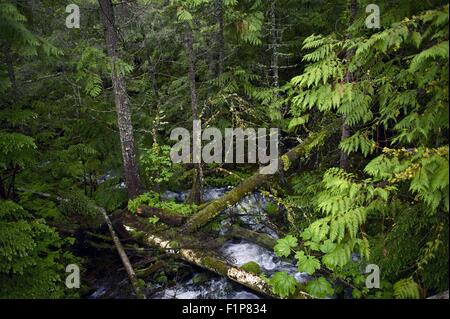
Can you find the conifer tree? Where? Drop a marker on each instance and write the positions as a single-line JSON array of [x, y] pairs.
[[121, 99]]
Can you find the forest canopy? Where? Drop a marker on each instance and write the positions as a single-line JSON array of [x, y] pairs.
[[90, 92]]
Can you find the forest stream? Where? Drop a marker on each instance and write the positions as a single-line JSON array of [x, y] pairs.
[[202, 284]]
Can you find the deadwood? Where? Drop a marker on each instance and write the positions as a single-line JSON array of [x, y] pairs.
[[123, 257], [250, 184]]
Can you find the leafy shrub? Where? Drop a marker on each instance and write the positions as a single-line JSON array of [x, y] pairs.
[[152, 199], [156, 165]]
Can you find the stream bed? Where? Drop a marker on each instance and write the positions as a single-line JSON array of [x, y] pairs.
[[251, 212]]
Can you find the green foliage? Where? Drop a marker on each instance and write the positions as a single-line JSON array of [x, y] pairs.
[[282, 284], [200, 278], [400, 92], [153, 220], [15, 32], [109, 196], [387, 88], [426, 170], [224, 180], [78, 204], [156, 165], [78, 211], [152, 199], [358, 142], [92, 63], [396, 250], [320, 288], [17, 149], [149, 198], [32, 256], [285, 245], [250, 27], [406, 289]]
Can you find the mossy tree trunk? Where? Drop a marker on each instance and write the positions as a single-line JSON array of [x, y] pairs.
[[250, 184], [260, 239]]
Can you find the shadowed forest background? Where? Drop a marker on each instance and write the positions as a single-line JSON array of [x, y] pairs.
[[86, 177]]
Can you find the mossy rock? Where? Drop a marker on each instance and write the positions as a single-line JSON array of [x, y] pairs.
[[251, 267], [200, 279], [162, 278]]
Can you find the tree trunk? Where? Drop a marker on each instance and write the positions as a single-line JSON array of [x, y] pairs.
[[31, 8], [248, 185], [252, 236], [123, 256], [274, 45], [2, 190], [155, 90], [345, 130], [220, 36], [10, 69], [167, 217], [196, 193], [121, 100]]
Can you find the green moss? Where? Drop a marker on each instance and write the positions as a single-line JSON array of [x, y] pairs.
[[251, 267], [286, 162], [162, 278], [216, 265], [199, 279]]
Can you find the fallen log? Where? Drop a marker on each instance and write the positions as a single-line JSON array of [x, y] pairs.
[[169, 218], [260, 239], [205, 260], [214, 208], [123, 256]]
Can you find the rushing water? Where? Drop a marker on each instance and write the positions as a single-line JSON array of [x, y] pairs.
[[251, 211]]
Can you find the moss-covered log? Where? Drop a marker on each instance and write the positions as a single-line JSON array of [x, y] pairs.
[[214, 208], [260, 239], [167, 217]]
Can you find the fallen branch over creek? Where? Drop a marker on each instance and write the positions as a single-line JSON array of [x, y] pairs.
[[169, 218], [260, 239], [200, 257]]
